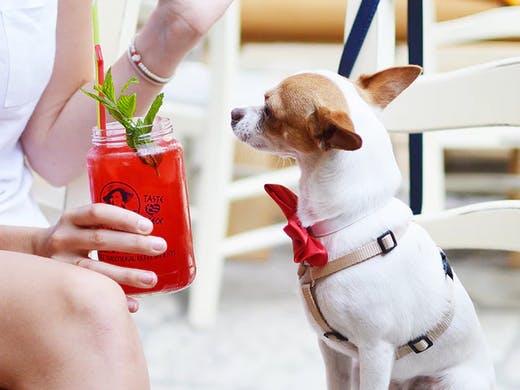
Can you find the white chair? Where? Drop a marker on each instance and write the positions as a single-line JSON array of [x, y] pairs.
[[216, 151], [455, 100], [487, 96], [496, 23]]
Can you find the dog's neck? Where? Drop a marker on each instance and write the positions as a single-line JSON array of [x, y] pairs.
[[350, 183], [339, 193]]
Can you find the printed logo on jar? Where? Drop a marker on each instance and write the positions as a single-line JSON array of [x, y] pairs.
[[122, 195], [153, 204]]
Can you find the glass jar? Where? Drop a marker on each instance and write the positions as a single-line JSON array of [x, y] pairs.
[[151, 181]]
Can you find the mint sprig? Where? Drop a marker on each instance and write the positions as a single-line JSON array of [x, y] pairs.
[[122, 109]]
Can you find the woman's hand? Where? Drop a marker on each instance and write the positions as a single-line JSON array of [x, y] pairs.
[[103, 227]]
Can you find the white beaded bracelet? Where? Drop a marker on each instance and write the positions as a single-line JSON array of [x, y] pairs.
[[136, 61]]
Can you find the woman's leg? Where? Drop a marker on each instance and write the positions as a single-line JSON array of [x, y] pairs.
[[64, 327]]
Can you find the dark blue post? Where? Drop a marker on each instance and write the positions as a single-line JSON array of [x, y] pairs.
[[415, 141]]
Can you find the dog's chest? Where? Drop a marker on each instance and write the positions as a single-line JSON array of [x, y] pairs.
[[386, 295], [362, 300]]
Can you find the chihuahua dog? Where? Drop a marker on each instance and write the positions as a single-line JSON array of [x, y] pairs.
[[387, 307]]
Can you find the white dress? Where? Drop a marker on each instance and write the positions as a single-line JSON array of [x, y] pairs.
[[27, 50]]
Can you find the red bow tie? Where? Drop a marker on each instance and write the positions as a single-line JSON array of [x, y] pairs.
[[305, 247]]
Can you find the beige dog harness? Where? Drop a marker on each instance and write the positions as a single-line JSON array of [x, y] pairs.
[[315, 265], [384, 244]]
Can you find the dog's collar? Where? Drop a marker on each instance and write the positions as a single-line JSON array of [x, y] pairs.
[[333, 225], [344, 221]]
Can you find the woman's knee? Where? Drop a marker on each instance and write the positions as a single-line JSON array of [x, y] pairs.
[[97, 318], [98, 309], [94, 301]]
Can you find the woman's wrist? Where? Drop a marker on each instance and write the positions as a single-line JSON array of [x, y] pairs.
[[39, 239], [136, 60], [23, 239], [164, 41]]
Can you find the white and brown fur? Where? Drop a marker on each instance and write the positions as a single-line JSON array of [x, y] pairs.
[[331, 127]]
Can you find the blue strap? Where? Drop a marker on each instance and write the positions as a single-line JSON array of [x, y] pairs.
[[357, 35], [415, 141], [351, 49]]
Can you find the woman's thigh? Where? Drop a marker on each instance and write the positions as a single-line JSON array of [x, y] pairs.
[[58, 320]]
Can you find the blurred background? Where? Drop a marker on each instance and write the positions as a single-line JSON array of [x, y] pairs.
[[247, 330]]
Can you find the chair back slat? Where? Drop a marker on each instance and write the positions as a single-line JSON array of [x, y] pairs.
[[458, 99]]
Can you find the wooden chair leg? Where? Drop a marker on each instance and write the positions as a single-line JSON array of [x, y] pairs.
[[216, 173]]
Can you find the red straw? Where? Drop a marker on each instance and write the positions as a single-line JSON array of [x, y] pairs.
[[100, 74]]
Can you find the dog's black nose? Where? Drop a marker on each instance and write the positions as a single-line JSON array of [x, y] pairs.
[[236, 115]]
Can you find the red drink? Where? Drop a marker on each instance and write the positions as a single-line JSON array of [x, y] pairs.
[[152, 183]]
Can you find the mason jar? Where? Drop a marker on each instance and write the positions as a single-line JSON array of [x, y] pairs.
[[150, 180]]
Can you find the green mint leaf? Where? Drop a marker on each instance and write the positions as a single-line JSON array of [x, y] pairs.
[[132, 80], [154, 109], [101, 94], [108, 86], [126, 105], [131, 139], [98, 88], [122, 109], [93, 96], [118, 116], [100, 99], [138, 131]]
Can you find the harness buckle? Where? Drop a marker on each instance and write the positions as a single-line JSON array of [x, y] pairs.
[[420, 344], [387, 241]]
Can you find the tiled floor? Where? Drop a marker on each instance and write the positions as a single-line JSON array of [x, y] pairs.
[[263, 342]]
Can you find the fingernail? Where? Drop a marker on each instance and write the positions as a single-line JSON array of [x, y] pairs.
[[133, 307], [145, 225], [158, 244], [149, 278]]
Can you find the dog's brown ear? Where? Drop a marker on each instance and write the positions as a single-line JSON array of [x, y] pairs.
[[335, 130], [382, 87]]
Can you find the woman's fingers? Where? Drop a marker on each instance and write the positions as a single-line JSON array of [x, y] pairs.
[[133, 304], [110, 216], [105, 227], [122, 275], [103, 239]]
